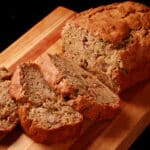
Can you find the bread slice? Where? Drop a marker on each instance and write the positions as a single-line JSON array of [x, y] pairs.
[[112, 42], [79, 88], [8, 107], [44, 116]]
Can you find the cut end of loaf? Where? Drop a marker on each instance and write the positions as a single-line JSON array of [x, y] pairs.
[[112, 42]]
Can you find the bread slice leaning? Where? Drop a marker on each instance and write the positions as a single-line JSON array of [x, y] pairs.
[[43, 114], [79, 88], [8, 108]]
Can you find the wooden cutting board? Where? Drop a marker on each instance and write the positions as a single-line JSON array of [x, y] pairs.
[[117, 134]]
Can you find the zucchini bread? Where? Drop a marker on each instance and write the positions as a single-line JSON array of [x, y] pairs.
[[8, 107], [112, 42], [43, 114], [80, 89]]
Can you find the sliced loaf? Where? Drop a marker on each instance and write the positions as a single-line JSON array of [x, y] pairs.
[[8, 107], [79, 88], [112, 42], [44, 116]]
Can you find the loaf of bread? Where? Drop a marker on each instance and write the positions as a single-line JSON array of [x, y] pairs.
[[80, 89], [112, 42], [8, 107], [43, 114]]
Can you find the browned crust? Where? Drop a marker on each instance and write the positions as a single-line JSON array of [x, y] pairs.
[[53, 76], [50, 72], [128, 26], [15, 89], [49, 136], [4, 132], [134, 77], [5, 74], [93, 110], [109, 27]]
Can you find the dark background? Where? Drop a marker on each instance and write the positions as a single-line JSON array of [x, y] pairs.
[[16, 17]]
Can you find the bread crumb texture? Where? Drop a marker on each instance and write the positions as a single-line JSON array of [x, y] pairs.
[[8, 107]]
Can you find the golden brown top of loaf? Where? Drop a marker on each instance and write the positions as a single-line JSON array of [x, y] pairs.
[[115, 22]]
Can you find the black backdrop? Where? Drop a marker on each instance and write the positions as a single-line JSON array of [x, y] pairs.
[[16, 17]]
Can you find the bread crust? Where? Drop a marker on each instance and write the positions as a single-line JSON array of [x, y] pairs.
[[114, 42], [15, 89], [5, 132], [134, 77], [111, 24], [40, 135], [5, 74], [92, 110]]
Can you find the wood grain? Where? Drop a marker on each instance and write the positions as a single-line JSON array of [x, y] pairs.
[[37, 39], [117, 134]]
